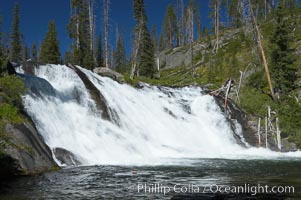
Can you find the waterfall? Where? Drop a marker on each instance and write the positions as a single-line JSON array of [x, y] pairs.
[[153, 125]]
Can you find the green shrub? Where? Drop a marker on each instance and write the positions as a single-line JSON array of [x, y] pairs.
[[289, 111], [254, 102], [11, 87], [9, 114]]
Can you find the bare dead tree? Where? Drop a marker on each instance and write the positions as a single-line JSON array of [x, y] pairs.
[[91, 24], [74, 15], [137, 46], [178, 22], [111, 53], [106, 30], [265, 9], [191, 34], [117, 34], [262, 51], [216, 24], [182, 24]]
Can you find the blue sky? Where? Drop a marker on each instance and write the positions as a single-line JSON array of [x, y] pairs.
[[35, 15]]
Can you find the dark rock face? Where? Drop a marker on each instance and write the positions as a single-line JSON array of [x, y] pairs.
[[66, 157], [29, 152], [250, 128], [109, 73], [235, 114], [37, 86], [10, 68], [288, 146]]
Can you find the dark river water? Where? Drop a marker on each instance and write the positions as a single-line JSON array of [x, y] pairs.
[[198, 179]]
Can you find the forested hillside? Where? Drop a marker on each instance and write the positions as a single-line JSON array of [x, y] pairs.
[[238, 56]]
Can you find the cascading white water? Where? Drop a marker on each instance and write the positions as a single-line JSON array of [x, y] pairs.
[[155, 124]]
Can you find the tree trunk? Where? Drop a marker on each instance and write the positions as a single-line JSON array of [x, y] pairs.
[[262, 51], [77, 34], [191, 35], [182, 24], [258, 132], [91, 23], [216, 11], [106, 30], [137, 47], [278, 135], [266, 132]]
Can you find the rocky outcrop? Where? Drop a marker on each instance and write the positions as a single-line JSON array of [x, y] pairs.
[[37, 86], [102, 71], [27, 150], [181, 56], [29, 67], [236, 115], [250, 127], [98, 98]]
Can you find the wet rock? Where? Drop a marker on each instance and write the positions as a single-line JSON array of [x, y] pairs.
[[66, 157], [96, 95], [288, 146], [37, 86], [109, 73], [237, 115], [29, 67]]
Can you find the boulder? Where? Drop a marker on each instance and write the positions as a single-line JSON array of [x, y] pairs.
[[66, 157], [28, 152], [10, 68], [102, 71]]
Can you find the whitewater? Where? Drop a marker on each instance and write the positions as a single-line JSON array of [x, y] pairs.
[[153, 125]]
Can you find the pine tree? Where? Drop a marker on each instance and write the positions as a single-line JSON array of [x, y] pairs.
[[68, 57], [16, 46], [170, 28], [2, 52], [87, 37], [50, 50], [215, 15], [233, 13], [79, 29], [1, 40], [283, 70], [120, 54], [143, 59], [1, 35], [162, 44], [147, 58], [99, 52], [155, 38], [34, 53], [27, 55]]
